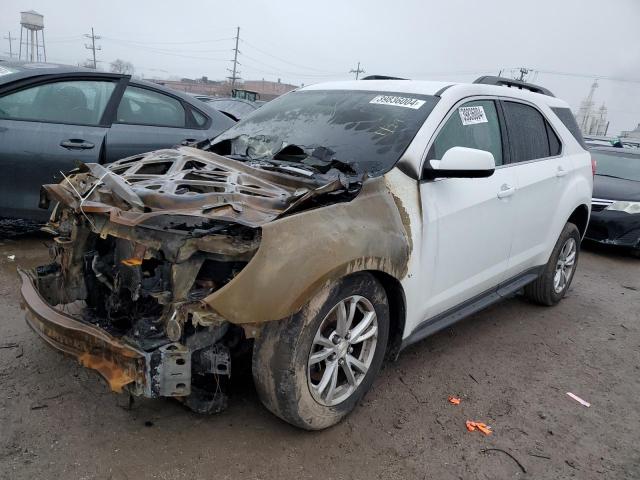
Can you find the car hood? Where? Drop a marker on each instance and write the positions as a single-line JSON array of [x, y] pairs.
[[186, 181], [616, 188]]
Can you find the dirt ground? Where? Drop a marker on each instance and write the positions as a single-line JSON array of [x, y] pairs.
[[511, 365]]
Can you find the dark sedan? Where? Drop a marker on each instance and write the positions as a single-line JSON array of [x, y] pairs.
[[615, 214], [54, 116]]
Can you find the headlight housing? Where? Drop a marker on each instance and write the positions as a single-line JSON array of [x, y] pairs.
[[628, 207]]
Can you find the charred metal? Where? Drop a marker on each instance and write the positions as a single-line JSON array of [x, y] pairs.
[[163, 264]]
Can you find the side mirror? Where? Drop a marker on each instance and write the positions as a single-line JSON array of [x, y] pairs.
[[461, 162]]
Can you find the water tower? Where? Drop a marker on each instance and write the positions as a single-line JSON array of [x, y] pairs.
[[31, 23]]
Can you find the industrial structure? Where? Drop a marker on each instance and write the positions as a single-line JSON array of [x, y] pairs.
[[592, 121], [32, 48]]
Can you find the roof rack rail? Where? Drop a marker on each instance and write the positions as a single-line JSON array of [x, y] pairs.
[[382, 77], [508, 82]]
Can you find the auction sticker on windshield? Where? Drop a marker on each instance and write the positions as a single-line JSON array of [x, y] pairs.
[[396, 101], [472, 115]]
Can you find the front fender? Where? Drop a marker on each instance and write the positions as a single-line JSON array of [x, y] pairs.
[[300, 253]]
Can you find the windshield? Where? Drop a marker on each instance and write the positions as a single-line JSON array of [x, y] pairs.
[[619, 165], [366, 130]]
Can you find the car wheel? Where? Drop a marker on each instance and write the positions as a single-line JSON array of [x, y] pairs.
[[553, 283], [313, 368]]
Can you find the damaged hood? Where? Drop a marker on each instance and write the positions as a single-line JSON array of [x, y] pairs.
[[189, 182]]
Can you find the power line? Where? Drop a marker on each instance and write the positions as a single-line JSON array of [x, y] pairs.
[[234, 72], [187, 42], [357, 71], [93, 47], [173, 53], [286, 61], [10, 38]]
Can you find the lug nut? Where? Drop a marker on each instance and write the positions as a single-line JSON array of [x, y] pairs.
[[336, 339], [341, 362], [332, 357], [350, 350]]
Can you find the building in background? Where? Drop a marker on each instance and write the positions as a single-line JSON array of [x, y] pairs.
[[592, 120], [203, 86]]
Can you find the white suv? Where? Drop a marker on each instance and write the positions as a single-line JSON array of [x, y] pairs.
[[334, 225]]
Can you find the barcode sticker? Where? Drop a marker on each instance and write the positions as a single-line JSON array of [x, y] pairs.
[[472, 115]]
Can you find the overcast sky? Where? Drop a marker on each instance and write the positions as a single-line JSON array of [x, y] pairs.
[[567, 41]]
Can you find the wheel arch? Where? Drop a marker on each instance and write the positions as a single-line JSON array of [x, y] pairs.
[[580, 218], [397, 310]]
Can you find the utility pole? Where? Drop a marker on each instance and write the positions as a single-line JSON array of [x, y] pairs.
[[357, 71], [10, 38], [523, 73], [93, 47], [235, 73]]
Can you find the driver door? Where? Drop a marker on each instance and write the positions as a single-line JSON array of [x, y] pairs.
[[468, 222]]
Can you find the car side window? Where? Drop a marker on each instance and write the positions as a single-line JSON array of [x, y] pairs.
[[474, 124], [141, 106], [530, 135], [199, 118], [79, 102]]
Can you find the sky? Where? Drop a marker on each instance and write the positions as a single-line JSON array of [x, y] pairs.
[[567, 43]]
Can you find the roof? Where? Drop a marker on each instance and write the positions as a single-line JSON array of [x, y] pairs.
[[443, 89], [419, 87]]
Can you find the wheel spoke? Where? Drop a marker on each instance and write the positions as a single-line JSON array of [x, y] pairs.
[[351, 378], [320, 355], [354, 362], [373, 330], [570, 259], [326, 377], [359, 329], [332, 385], [341, 317], [353, 305], [322, 341]]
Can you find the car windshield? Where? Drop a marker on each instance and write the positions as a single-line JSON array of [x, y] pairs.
[[618, 165], [366, 130]]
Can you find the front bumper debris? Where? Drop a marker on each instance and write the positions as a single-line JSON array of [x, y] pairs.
[[163, 372], [614, 228]]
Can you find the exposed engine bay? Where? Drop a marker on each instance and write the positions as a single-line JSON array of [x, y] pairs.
[[138, 250]]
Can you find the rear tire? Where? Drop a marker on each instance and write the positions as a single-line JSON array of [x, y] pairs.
[[549, 288], [308, 369]]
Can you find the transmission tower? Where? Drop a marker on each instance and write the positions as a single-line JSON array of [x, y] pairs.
[[93, 47]]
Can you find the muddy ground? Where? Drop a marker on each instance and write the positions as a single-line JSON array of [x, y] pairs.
[[511, 365]]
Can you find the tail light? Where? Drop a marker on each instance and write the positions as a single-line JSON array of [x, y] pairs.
[[593, 166]]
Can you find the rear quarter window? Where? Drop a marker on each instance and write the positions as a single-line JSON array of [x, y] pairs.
[[566, 117]]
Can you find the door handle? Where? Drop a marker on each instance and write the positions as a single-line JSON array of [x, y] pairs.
[[506, 190], [76, 144], [561, 172]]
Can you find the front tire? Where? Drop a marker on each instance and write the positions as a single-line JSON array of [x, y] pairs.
[[549, 288], [313, 368]]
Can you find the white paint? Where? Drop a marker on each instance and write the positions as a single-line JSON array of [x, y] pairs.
[[467, 240]]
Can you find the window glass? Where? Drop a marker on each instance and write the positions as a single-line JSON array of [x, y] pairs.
[[565, 115], [146, 107], [473, 125], [368, 130], [527, 132], [555, 147], [200, 119], [80, 102]]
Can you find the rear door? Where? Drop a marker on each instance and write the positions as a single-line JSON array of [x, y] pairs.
[[468, 222], [149, 119], [541, 173], [45, 129]]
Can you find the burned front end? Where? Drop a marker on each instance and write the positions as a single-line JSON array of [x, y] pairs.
[[138, 251]]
